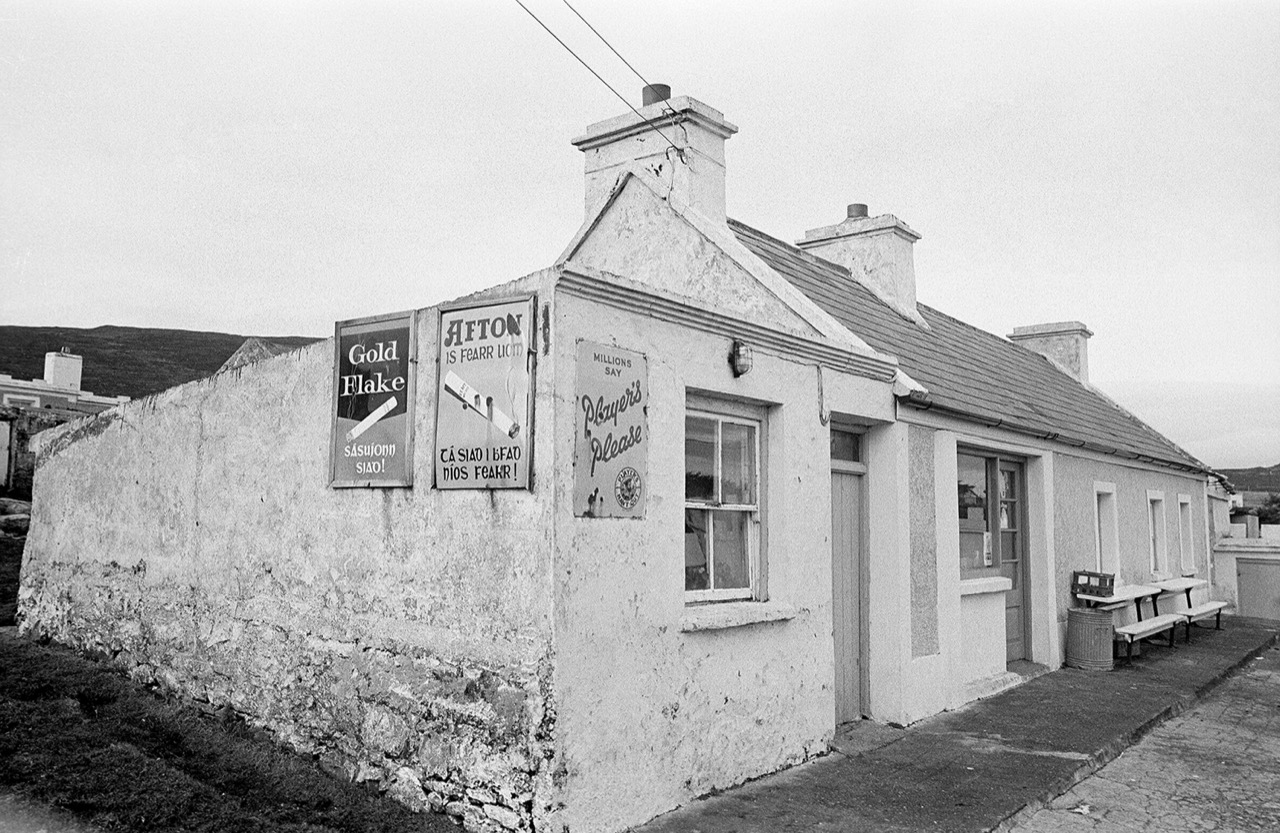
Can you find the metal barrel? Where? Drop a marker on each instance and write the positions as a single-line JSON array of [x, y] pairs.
[[1089, 639]]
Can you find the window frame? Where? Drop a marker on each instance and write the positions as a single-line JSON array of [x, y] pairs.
[[859, 434], [1158, 534], [993, 462], [1186, 537], [734, 413], [1106, 526]]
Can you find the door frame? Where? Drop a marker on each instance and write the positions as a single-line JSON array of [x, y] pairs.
[[858, 469], [995, 458], [1024, 550]]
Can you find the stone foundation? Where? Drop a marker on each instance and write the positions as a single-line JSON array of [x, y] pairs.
[[439, 734]]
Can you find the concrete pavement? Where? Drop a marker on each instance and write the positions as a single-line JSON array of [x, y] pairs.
[[1216, 767], [976, 768]]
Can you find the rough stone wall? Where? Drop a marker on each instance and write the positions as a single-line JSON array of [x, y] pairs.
[[401, 635]]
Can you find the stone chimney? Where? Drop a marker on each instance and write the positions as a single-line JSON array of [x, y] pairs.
[[1065, 343], [691, 173], [877, 251], [62, 369]]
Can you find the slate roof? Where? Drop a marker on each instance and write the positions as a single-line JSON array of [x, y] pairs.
[[969, 372]]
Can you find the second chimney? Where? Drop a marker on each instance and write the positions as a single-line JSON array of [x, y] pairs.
[[1065, 343], [877, 251]]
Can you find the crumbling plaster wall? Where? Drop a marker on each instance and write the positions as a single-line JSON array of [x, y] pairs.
[[403, 635], [656, 707], [652, 714], [639, 237]]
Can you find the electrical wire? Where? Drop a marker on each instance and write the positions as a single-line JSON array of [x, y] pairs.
[[651, 125], [614, 51], [665, 105]]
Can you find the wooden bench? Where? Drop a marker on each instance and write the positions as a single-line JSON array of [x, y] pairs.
[[1204, 611], [1193, 613], [1144, 628]]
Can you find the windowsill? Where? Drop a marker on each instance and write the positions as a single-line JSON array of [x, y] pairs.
[[720, 615], [994, 584]]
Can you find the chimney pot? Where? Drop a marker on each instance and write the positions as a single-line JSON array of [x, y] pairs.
[[653, 93], [877, 251]]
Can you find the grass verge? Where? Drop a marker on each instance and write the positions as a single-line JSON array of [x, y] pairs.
[[78, 735]]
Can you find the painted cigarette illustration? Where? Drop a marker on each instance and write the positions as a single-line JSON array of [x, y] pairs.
[[374, 415], [480, 403]]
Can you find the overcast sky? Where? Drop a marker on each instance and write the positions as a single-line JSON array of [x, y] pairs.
[[270, 167]]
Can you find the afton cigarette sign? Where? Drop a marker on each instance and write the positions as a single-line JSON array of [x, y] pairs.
[[611, 448], [373, 393], [482, 407]]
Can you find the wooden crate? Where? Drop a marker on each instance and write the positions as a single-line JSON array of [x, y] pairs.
[[1093, 584]]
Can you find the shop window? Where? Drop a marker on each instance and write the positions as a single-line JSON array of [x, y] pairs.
[[1106, 525], [1159, 547], [990, 501], [722, 516], [1186, 544]]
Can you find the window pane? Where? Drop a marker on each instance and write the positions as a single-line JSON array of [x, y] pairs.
[[845, 446], [699, 458], [1009, 550], [1008, 484], [738, 464], [975, 550], [696, 576], [732, 567], [972, 486], [1008, 515]]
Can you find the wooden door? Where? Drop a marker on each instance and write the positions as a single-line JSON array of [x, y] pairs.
[[846, 592], [1010, 514]]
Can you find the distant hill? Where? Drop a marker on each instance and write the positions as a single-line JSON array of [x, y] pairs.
[[1258, 479], [132, 361]]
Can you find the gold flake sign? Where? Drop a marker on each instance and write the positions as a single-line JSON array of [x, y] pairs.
[[371, 439]]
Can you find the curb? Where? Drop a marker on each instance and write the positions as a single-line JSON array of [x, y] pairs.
[[1112, 750]]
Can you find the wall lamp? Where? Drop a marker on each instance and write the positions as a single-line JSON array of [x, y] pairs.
[[740, 359]]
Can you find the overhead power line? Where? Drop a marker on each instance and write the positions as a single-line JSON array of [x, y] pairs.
[[652, 126], [606, 43]]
